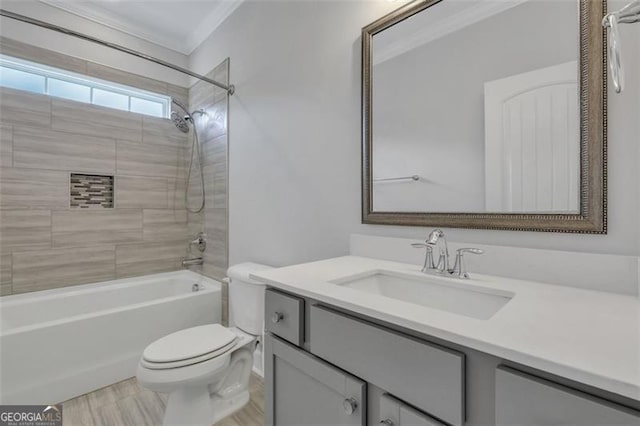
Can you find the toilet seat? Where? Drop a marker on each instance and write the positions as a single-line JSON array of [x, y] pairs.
[[189, 346]]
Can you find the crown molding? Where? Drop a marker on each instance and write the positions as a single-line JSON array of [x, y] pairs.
[[184, 46], [481, 10]]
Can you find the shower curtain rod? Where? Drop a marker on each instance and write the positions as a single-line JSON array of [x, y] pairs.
[[229, 88]]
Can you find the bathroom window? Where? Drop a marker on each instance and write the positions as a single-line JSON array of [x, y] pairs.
[[29, 76]]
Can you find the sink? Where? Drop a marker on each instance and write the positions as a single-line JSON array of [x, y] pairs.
[[433, 292]]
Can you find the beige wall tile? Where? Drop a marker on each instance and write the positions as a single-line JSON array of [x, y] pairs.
[[81, 228], [33, 53], [214, 123], [176, 193], [216, 186], [5, 274], [33, 189], [38, 148], [162, 131], [201, 94], [165, 225], [214, 143], [216, 256], [22, 230], [79, 118], [47, 269], [142, 192], [45, 244], [141, 159], [147, 258], [214, 151], [24, 108], [6, 146], [181, 94]]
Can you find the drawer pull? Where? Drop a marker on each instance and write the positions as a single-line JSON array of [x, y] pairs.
[[277, 317], [349, 405], [386, 422]]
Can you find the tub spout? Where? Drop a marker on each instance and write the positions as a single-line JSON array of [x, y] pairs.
[[192, 262]]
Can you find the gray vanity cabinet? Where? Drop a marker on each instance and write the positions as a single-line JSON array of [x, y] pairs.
[[522, 399], [303, 390], [325, 366]]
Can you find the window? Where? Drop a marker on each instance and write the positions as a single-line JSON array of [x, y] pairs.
[[32, 77]]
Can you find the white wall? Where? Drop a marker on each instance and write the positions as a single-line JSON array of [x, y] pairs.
[[295, 137], [93, 52]]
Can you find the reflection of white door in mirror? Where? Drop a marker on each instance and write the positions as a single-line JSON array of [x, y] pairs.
[[532, 141]]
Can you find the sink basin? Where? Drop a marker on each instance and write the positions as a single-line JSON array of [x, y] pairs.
[[433, 292]]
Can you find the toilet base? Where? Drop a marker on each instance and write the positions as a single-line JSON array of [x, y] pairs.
[[196, 406]]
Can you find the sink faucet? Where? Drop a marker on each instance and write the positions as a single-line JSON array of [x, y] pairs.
[[442, 266], [433, 239]]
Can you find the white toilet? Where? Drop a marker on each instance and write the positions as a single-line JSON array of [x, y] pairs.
[[206, 369]]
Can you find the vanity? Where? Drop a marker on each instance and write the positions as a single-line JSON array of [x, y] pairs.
[[361, 341]]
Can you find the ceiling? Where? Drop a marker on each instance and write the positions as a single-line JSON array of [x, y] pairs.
[[179, 25]]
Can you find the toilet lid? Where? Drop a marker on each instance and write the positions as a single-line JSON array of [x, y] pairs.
[[190, 343]]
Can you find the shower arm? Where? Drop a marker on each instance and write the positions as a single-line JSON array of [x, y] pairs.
[[229, 88], [629, 14]]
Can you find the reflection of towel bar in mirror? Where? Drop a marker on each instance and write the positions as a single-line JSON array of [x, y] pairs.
[[413, 178]]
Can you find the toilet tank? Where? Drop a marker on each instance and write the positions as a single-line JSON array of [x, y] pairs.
[[246, 298]]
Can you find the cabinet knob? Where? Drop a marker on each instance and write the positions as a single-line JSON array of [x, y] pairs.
[[277, 317], [386, 422], [349, 405]]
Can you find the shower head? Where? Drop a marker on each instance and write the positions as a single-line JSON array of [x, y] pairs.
[[181, 121]]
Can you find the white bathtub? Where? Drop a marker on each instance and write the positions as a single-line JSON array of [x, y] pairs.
[[58, 344]]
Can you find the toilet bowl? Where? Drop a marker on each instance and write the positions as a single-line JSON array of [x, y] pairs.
[[206, 369]]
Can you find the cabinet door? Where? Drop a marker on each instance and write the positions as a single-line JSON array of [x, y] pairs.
[[395, 413], [301, 389], [522, 399]]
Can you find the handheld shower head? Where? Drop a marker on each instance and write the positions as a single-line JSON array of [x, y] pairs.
[[181, 121]]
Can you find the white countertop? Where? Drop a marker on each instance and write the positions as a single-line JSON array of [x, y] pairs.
[[587, 336]]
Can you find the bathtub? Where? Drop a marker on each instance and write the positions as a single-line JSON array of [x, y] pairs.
[[61, 343]]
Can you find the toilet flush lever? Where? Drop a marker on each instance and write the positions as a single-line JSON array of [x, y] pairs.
[[277, 317]]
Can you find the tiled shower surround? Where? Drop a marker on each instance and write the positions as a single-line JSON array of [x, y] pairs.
[[44, 242], [212, 130]]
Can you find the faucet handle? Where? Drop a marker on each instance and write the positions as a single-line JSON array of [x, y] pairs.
[[428, 258], [459, 267], [471, 250]]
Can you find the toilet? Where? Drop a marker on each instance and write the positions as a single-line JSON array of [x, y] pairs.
[[206, 369]]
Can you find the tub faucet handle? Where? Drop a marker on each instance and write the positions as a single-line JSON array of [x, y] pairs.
[[199, 241]]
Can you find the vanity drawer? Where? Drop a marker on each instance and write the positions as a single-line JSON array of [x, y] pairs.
[[424, 375], [284, 316], [524, 399]]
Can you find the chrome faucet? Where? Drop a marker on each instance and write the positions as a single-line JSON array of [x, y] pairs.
[[442, 266], [443, 259], [200, 241], [186, 262]]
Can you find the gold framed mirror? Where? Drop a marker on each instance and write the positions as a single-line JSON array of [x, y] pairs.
[[486, 114]]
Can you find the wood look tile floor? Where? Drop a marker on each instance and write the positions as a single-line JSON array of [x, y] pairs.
[[129, 404]]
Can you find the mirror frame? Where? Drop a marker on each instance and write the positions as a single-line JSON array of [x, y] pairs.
[[592, 217]]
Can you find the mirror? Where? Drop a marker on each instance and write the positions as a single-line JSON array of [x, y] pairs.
[[486, 114]]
